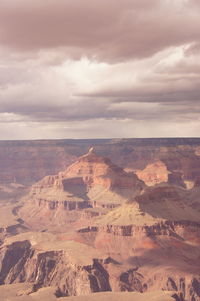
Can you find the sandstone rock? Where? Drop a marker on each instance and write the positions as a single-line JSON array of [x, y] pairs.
[[154, 173], [41, 259], [92, 181]]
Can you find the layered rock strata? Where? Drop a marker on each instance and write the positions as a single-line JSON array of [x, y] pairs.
[[91, 182], [40, 259], [76, 269], [113, 233]]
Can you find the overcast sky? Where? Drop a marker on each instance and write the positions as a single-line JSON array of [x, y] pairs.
[[99, 68]]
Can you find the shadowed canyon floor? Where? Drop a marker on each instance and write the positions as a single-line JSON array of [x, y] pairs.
[[123, 233]]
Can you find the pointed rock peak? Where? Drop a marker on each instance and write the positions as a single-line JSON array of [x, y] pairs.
[[91, 150], [91, 156]]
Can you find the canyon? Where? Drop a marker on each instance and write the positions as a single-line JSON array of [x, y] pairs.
[[100, 219], [27, 162]]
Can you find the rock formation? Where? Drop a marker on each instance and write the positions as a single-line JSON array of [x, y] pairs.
[[26, 162], [95, 227], [91, 182], [154, 173]]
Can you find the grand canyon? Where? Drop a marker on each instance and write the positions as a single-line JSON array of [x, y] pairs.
[[100, 220], [99, 150]]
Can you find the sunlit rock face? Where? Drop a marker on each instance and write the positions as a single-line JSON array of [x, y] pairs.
[[154, 173]]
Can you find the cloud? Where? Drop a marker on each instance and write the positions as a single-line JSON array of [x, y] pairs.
[[169, 77], [163, 87], [114, 31], [89, 69]]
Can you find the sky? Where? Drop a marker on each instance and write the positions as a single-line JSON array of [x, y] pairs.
[[99, 69]]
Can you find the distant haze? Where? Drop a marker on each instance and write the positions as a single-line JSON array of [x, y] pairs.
[[99, 69]]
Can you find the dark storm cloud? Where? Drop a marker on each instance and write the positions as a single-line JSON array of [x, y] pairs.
[[108, 30]]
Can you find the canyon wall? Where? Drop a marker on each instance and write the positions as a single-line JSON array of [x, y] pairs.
[[29, 161]]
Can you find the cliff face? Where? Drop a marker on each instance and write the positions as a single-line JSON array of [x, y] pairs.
[[162, 256], [56, 264], [22, 261]]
